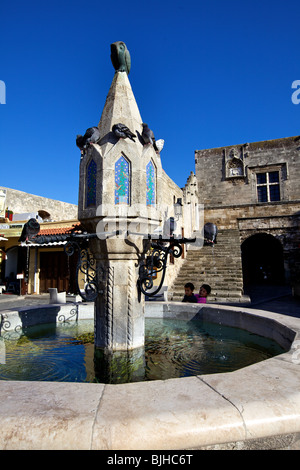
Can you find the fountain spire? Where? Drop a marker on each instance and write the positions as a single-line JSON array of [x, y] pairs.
[[113, 195], [120, 107]]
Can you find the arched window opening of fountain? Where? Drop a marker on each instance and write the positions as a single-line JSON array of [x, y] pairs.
[[122, 181], [91, 178], [150, 184]]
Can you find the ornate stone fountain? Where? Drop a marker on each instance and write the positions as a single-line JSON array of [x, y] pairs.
[[119, 188], [254, 407]]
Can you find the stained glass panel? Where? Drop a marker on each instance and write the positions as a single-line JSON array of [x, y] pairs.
[[91, 184], [122, 181], [150, 182]]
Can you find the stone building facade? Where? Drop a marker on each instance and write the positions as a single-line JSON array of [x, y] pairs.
[[254, 188], [40, 266]]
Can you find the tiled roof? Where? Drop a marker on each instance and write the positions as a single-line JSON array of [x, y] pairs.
[[58, 230]]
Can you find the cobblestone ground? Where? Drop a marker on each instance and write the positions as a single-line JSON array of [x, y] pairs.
[[13, 302], [276, 299]]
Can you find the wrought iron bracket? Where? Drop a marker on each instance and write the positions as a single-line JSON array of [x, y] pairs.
[[94, 276], [86, 270], [156, 261]]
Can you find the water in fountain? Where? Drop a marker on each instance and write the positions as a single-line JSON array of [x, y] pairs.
[[173, 348]]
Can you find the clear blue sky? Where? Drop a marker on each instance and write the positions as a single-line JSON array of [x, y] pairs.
[[204, 73]]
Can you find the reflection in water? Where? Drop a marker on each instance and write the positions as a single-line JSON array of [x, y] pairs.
[[173, 348], [120, 366]]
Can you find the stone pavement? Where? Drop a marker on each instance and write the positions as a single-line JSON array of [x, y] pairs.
[[13, 302], [278, 299]]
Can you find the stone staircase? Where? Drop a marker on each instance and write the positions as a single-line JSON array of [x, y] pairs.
[[219, 266]]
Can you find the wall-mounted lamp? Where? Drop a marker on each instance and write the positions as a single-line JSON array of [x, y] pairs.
[[178, 208]]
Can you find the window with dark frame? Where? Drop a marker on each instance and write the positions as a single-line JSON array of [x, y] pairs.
[[268, 187]]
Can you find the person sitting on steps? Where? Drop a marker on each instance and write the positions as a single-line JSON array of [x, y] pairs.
[[189, 293], [204, 291]]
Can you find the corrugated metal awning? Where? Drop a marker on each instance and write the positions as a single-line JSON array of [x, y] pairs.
[[43, 244]]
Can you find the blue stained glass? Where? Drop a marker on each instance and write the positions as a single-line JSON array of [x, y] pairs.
[[91, 179], [122, 181], [150, 182]]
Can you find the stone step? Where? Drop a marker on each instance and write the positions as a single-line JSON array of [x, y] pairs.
[[221, 249], [216, 261], [218, 257], [215, 286], [213, 271], [207, 280], [216, 293], [219, 266], [215, 290], [220, 300], [206, 274], [215, 298]]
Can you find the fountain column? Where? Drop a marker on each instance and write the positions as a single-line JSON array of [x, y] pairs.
[[113, 196]]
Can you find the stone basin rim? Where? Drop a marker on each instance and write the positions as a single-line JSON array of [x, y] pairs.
[[239, 409]]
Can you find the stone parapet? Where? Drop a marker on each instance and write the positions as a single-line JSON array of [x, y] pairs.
[[256, 407]]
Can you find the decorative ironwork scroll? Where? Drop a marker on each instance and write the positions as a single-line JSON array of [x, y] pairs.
[[156, 261], [6, 330], [73, 315], [91, 275], [87, 271]]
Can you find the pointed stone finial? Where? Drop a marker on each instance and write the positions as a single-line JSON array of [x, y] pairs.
[[120, 107]]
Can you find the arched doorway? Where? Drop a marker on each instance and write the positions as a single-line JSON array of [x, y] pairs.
[[262, 258]]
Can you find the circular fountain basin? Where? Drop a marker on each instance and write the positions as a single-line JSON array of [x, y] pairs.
[[174, 348], [254, 407]]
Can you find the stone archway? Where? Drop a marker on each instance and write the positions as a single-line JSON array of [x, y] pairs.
[[262, 260]]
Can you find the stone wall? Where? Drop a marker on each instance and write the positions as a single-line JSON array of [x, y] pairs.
[[227, 175], [229, 198], [229, 217], [170, 191], [21, 202], [227, 185]]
